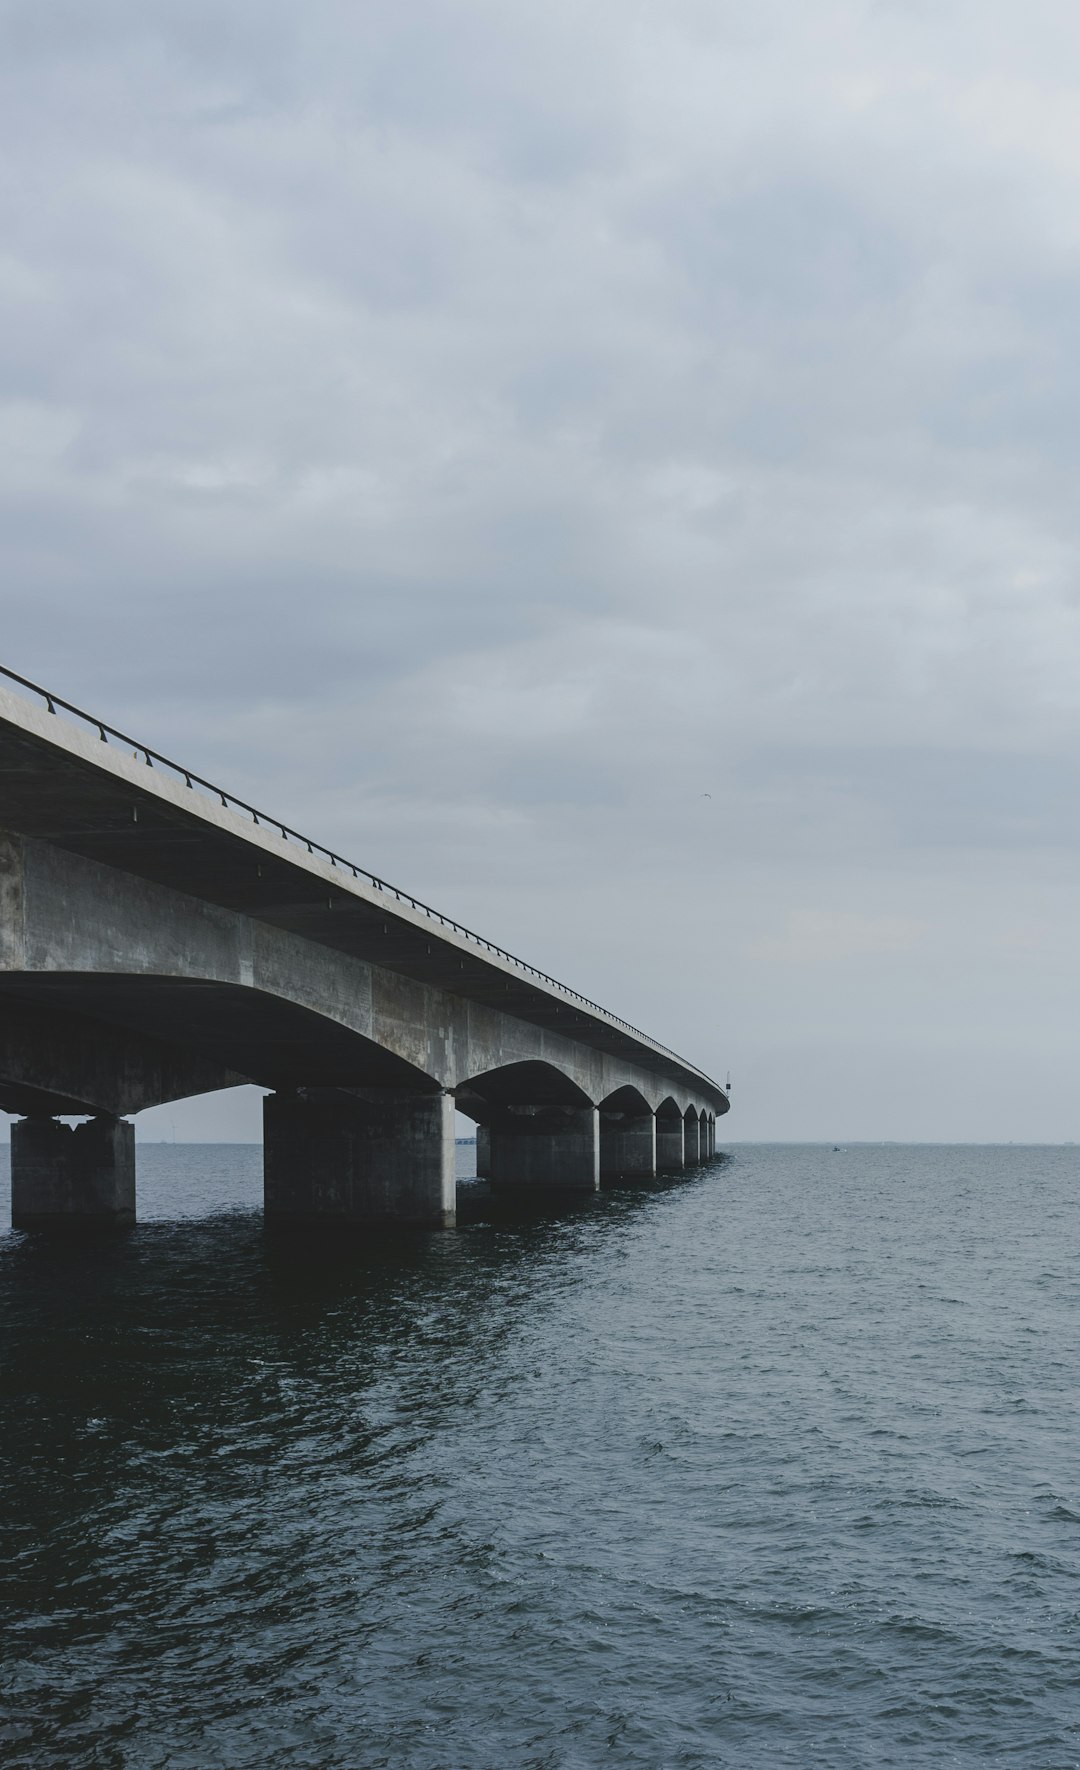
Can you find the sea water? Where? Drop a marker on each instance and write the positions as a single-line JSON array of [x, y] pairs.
[[777, 1463]]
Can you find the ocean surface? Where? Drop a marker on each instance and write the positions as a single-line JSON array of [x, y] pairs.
[[776, 1464]]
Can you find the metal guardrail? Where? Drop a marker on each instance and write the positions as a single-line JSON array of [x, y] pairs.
[[154, 759]]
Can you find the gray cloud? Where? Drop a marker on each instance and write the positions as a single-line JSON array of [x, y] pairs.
[[478, 432]]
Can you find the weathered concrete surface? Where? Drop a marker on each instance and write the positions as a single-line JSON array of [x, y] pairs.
[[72, 1177], [545, 1148], [67, 1062], [372, 1157]]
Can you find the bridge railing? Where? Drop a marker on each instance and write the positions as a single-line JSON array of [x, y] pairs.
[[153, 759]]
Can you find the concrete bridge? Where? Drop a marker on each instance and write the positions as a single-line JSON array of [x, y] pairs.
[[161, 939]]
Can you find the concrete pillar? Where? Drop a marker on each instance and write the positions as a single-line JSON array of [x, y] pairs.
[[670, 1152], [483, 1152], [373, 1155], [72, 1176], [627, 1145], [551, 1148], [708, 1144], [691, 1141]]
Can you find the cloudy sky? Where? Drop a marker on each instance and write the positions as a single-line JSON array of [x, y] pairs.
[[610, 465]]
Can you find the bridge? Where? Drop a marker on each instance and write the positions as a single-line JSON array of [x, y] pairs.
[[160, 939]]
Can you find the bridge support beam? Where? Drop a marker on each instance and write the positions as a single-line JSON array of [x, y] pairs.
[[72, 1177], [369, 1156], [692, 1150], [546, 1148], [627, 1146], [669, 1145]]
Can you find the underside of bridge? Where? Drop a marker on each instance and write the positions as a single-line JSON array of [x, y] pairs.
[[121, 1042], [353, 1133]]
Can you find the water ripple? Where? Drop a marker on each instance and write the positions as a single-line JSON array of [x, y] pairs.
[[777, 1466]]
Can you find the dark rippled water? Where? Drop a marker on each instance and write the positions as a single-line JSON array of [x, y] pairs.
[[777, 1465]]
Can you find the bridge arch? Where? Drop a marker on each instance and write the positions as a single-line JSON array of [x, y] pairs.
[[533, 1083], [626, 1099], [118, 1042]]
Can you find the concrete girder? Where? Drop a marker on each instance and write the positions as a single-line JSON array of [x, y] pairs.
[[62, 1062], [83, 938]]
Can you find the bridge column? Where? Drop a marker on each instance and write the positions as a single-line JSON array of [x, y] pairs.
[[627, 1145], [483, 1152], [549, 1148], [72, 1177], [377, 1156], [691, 1141], [670, 1148]]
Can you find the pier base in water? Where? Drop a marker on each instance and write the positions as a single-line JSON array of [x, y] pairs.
[[670, 1146], [627, 1146], [364, 1156], [72, 1177], [545, 1148], [692, 1149]]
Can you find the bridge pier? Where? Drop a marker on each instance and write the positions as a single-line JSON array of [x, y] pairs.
[[627, 1145], [363, 1156], [670, 1148], [691, 1142], [71, 1177], [546, 1148]]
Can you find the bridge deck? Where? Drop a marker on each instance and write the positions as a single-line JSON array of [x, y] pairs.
[[81, 791]]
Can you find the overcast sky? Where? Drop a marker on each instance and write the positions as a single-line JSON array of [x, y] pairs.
[[610, 466]]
